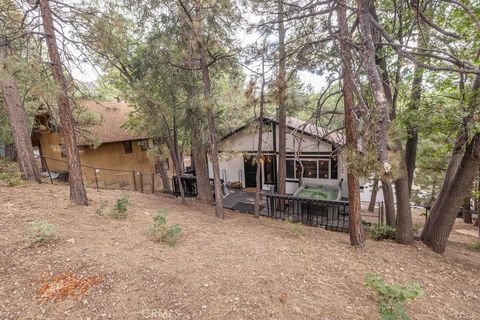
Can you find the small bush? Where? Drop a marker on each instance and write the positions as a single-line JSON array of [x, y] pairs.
[[379, 232], [12, 179], [10, 173], [101, 210], [42, 233], [163, 233], [296, 228], [391, 297], [416, 228], [119, 211], [475, 245]]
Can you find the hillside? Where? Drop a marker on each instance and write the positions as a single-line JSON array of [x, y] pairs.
[[238, 268]]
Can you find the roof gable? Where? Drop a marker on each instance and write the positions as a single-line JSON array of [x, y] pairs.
[[335, 138]]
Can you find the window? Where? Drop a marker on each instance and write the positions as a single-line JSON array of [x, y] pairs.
[[323, 167], [269, 169], [309, 168], [127, 145], [290, 169], [313, 169], [333, 168]]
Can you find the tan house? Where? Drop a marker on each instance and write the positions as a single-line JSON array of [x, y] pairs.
[[110, 155]]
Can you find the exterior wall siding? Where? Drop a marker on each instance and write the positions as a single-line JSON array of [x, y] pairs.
[[247, 140], [244, 142], [106, 156]]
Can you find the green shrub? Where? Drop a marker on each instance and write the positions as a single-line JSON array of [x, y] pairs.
[[42, 232], [297, 229], [12, 179], [119, 211], [379, 232], [101, 210], [391, 297], [475, 245], [10, 173], [163, 233]]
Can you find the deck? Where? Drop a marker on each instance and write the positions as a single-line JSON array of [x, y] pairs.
[[330, 214], [244, 201]]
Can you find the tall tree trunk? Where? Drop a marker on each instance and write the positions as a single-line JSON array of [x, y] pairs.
[[376, 84], [381, 103], [77, 189], [455, 161], [404, 233], [442, 217], [415, 98], [169, 140], [373, 197], [477, 203], [17, 119], [467, 214], [175, 133], [161, 167], [404, 224], [176, 165], [182, 150], [458, 153], [207, 92], [164, 176], [199, 153], [387, 191], [434, 191], [282, 97], [357, 237], [412, 130], [457, 183], [258, 177]]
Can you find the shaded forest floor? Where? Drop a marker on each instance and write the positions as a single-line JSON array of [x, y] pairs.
[[238, 268]]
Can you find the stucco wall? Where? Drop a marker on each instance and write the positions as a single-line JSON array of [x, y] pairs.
[[233, 148], [246, 140], [304, 143], [231, 164]]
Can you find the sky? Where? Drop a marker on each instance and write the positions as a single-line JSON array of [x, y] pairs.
[[87, 73]]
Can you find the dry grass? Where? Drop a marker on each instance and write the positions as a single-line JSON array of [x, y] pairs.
[[237, 268]]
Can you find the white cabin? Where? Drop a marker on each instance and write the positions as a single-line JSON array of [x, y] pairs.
[[316, 148]]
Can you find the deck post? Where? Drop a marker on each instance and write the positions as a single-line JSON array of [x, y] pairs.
[[153, 183], [96, 177]]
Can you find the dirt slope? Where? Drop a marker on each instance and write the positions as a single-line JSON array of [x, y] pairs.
[[238, 268]]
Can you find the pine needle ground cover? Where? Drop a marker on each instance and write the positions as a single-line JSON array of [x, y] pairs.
[[236, 268]]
